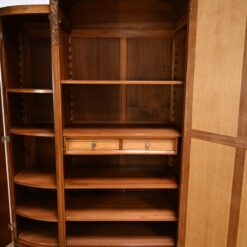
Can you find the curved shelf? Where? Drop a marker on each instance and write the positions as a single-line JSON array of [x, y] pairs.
[[116, 206], [25, 9], [30, 90], [36, 179], [38, 210], [30, 131], [38, 235]]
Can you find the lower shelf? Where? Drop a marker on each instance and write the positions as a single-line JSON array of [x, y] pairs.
[[36, 178], [120, 206], [42, 209], [117, 179], [37, 235], [120, 234]]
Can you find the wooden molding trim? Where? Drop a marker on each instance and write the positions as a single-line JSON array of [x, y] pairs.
[[54, 21], [238, 176], [25, 9], [236, 197], [184, 183], [221, 139]]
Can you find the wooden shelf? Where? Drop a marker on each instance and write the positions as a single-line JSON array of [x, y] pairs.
[[36, 179], [38, 235], [117, 206], [32, 131], [30, 90], [123, 132], [38, 209], [119, 234], [118, 179], [120, 82], [25, 9]]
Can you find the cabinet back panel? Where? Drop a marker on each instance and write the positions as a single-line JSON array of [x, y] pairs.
[[116, 12], [92, 103], [30, 109], [28, 52], [149, 59], [40, 62], [95, 59], [32, 152], [148, 103]]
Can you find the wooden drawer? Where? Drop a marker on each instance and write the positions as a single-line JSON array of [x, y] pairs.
[[151, 145], [79, 144]]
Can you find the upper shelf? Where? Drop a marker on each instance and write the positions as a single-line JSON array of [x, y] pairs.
[[121, 132], [36, 179], [25, 9], [128, 206], [32, 131], [120, 82], [30, 90]]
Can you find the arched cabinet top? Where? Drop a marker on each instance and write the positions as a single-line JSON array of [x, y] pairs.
[[19, 7]]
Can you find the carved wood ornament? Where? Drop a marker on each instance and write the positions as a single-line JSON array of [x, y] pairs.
[[54, 21]]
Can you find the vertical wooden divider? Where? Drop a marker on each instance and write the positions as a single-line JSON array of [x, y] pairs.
[[57, 99], [184, 180], [123, 76]]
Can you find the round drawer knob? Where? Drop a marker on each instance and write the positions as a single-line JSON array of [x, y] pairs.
[[93, 145], [147, 145]]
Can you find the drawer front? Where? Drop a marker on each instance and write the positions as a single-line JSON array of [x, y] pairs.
[[150, 145], [78, 144]]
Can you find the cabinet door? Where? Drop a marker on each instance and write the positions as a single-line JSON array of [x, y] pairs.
[[216, 127], [5, 233]]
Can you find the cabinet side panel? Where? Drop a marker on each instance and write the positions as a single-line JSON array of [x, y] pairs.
[[209, 199], [218, 66], [242, 236]]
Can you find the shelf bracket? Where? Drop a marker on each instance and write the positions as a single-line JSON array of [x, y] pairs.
[[5, 139], [11, 226]]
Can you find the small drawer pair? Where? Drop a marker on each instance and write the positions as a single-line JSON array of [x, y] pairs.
[[81, 145]]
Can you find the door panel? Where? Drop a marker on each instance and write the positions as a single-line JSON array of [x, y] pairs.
[[5, 234], [209, 198], [218, 65], [242, 236]]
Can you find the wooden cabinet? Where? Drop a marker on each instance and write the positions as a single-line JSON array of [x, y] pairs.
[[121, 129]]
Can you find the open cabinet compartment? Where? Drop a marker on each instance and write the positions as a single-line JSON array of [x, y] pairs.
[[33, 161], [121, 234], [95, 112], [31, 110], [36, 233], [35, 203], [28, 56]]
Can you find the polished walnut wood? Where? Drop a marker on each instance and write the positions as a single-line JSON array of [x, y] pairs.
[[28, 90], [117, 179], [42, 132], [94, 112], [25, 9], [38, 235], [36, 179], [120, 235], [121, 82], [37, 210], [132, 206]]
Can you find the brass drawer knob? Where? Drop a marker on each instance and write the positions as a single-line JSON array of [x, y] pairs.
[[147, 145], [93, 145]]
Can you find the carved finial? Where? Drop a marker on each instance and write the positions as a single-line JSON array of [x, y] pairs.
[[54, 21]]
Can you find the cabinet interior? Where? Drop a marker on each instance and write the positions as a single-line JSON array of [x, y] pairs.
[[95, 120]]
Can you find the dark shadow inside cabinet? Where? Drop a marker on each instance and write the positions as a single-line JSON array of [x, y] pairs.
[[28, 56], [33, 161]]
